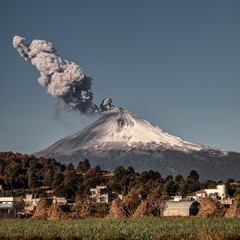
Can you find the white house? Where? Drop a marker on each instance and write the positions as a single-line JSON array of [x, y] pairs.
[[219, 192], [101, 194], [31, 201], [9, 206]]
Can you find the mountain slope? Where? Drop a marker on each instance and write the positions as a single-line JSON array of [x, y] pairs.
[[125, 139]]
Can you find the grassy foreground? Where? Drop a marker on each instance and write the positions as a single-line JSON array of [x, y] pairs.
[[113, 229]]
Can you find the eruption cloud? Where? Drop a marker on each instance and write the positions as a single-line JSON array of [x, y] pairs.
[[63, 79]]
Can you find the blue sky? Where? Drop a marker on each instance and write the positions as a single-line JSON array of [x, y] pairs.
[[173, 63]]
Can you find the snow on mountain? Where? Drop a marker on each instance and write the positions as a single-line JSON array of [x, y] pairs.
[[122, 138], [125, 129]]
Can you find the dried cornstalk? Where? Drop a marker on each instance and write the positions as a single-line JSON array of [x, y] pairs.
[[143, 210], [210, 207], [41, 211], [117, 209], [55, 212], [234, 210]]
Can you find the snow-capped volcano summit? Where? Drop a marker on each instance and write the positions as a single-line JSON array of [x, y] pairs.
[[122, 129], [122, 138], [126, 129]]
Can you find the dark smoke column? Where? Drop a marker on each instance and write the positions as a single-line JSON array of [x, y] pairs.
[[63, 79]]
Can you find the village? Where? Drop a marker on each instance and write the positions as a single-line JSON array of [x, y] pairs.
[[40, 188], [205, 202]]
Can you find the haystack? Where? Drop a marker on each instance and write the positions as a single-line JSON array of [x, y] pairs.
[[143, 210], [210, 207], [55, 212], [86, 210], [117, 209], [41, 211], [234, 210], [44, 210]]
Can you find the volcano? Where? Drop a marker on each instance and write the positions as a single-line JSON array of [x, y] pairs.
[[124, 139]]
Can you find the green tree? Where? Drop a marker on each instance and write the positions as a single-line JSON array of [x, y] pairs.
[[70, 166], [190, 187], [179, 178], [193, 175], [210, 184], [83, 166], [48, 178], [70, 185], [170, 187], [60, 191], [2, 166], [118, 180], [32, 179], [58, 178], [130, 170], [12, 172]]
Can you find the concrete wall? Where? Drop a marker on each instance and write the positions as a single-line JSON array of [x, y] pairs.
[[181, 208], [176, 212]]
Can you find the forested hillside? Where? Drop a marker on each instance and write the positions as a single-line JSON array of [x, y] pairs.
[[21, 174]]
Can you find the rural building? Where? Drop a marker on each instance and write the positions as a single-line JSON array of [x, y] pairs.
[[9, 206], [200, 194], [101, 194], [181, 208], [219, 192], [64, 203], [32, 200]]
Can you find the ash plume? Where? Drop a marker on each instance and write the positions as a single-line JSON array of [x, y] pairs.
[[63, 79]]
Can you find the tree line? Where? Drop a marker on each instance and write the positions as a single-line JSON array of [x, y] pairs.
[[22, 173]]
